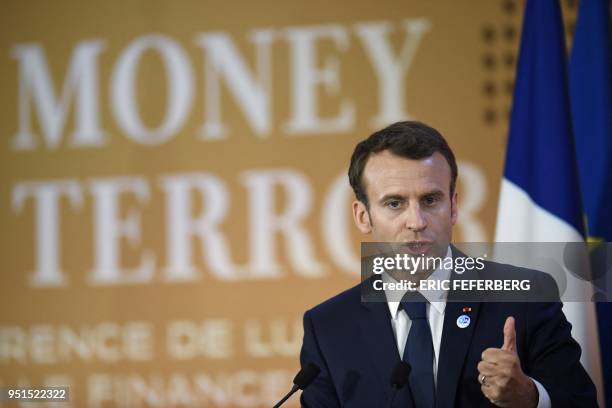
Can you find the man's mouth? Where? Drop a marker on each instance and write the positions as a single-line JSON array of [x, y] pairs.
[[417, 247]]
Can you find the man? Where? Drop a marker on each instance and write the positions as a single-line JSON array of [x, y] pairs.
[[504, 354]]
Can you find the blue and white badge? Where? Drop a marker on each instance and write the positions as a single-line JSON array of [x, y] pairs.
[[463, 321]]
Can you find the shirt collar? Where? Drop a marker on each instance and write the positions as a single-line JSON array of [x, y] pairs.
[[436, 298]]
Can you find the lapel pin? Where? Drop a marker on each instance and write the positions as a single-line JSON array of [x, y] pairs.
[[463, 321], [467, 309]]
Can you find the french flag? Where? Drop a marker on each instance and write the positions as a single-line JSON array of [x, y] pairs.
[[590, 73], [540, 198]]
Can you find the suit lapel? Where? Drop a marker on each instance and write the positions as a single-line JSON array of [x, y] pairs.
[[378, 341], [455, 342], [453, 350]]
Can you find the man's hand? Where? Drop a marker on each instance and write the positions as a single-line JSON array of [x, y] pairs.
[[502, 380]]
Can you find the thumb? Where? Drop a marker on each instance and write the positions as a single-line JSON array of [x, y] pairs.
[[509, 335]]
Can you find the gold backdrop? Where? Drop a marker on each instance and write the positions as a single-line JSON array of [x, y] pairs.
[[173, 186]]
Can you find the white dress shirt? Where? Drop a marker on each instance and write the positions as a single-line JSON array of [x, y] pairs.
[[400, 322]]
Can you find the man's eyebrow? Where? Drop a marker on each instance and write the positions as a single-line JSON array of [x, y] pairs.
[[388, 197], [437, 193], [434, 193]]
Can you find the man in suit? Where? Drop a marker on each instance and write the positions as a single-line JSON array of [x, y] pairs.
[[465, 354]]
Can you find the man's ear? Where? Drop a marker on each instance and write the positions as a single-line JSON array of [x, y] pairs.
[[454, 212], [361, 216]]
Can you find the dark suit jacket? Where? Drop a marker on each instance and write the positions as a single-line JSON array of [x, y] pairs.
[[353, 344]]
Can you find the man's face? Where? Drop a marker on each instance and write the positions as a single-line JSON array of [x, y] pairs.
[[410, 203]]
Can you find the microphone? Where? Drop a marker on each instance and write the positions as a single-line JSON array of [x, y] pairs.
[[399, 378], [302, 380]]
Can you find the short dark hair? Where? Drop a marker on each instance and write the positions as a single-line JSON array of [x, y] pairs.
[[410, 139]]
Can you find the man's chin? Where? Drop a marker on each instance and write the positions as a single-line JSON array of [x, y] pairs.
[[414, 275], [424, 250]]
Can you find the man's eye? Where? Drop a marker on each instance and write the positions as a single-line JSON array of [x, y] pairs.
[[394, 204], [430, 200]]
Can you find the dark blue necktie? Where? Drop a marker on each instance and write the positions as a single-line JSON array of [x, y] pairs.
[[419, 352]]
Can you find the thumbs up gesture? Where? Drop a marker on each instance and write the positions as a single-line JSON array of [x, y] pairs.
[[509, 335], [501, 378]]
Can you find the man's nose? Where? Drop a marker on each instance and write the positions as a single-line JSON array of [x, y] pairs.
[[415, 219]]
